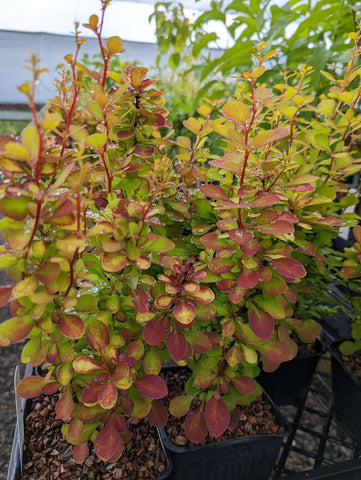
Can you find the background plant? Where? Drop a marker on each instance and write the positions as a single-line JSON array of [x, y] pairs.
[[351, 271], [320, 32]]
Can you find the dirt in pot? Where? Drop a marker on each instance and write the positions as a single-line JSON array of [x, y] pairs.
[[306, 349], [351, 362], [254, 419], [47, 455]]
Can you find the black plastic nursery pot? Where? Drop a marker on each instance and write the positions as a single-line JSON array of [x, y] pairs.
[[289, 383], [14, 468], [245, 458], [347, 395]]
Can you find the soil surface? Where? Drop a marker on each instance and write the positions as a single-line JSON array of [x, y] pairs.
[[253, 419], [307, 349], [47, 455], [351, 362]]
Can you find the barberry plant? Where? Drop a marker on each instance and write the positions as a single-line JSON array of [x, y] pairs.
[[351, 271], [120, 259]]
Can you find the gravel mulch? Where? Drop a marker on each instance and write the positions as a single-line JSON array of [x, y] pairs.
[[47, 455], [253, 419]]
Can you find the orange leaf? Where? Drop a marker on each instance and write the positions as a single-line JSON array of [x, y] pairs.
[[217, 416], [108, 443], [30, 387]]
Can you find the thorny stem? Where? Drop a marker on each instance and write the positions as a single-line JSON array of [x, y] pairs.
[[247, 151], [70, 111], [102, 50]]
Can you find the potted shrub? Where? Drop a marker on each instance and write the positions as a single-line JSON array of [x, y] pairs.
[[121, 259], [345, 354]]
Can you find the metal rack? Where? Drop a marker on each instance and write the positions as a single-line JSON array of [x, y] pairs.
[[324, 449]]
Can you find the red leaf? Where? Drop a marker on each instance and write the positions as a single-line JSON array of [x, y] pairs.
[[64, 406], [195, 426], [199, 341], [330, 221], [51, 388], [227, 224], [145, 152], [240, 236], [176, 345], [217, 416], [250, 248], [158, 414], [261, 323], [221, 265], [124, 134], [108, 395], [212, 241], [185, 313], [236, 294], [245, 385], [214, 191], [151, 386], [248, 279], [67, 207], [214, 338], [121, 423], [225, 284], [279, 227], [30, 387], [140, 301], [90, 393], [357, 234], [97, 334], [288, 267], [5, 295], [75, 429], [80, 452], [265, 199], [121, 371], [71, 326], [154, 332], [108, 443], [274, 351]]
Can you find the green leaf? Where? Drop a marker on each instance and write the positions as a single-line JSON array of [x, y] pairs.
[[96, 141], [25, 287], [158, 244], [114, 45], [203, 43], [15, 208]]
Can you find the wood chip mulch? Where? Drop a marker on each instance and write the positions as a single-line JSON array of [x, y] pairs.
[[352, 363], [254, 419], [47, 455]]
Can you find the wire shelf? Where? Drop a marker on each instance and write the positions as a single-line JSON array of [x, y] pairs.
[[319, 446]]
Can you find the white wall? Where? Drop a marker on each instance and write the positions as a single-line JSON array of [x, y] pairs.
[[16, 47]]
